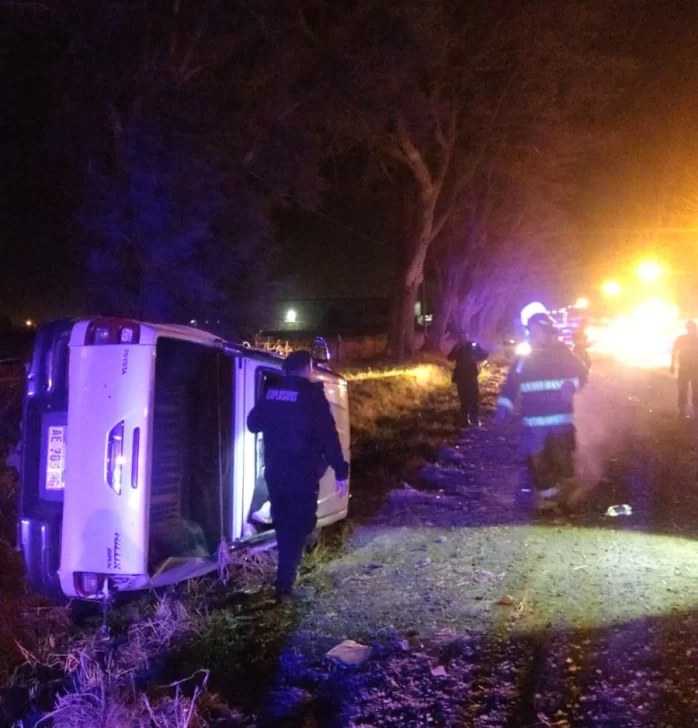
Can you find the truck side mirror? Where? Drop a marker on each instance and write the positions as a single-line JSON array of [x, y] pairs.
[[320, 351]]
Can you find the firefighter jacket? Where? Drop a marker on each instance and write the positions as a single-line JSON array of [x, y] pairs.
[[300, 435], [546, 381]]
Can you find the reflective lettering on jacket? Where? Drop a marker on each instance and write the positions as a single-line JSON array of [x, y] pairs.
[[282, 395], [547, 385], [548, 420]]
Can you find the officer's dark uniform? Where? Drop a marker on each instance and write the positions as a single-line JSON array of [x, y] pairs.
[[468, 356], [300, 441], [546, 380], [686, 351]]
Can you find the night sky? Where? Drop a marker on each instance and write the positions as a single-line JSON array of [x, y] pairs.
[[343, 249]]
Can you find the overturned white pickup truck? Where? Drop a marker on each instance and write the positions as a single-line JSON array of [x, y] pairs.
[[136, 460]]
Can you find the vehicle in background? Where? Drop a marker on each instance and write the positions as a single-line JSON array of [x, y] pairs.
[[136, 462]]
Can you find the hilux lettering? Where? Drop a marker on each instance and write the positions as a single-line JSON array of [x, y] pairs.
[[117, 551]]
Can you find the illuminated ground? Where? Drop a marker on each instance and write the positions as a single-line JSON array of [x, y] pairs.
[[587, 621], [563, 577], [477, 615]]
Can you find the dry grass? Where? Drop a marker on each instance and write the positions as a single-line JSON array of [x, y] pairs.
[[111, 707], [107, 669], [108, 674], [380, 397]]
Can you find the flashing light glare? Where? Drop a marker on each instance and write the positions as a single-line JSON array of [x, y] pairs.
[[530, 310], [523, 349], [29, 323], [649, 271], [592, 334], [612, 288], [643, 337], [291, 316], [582, 303]]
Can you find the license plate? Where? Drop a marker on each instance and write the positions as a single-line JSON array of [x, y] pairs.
[[55, 459]]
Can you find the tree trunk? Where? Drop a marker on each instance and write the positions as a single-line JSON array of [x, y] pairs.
[[470, 308], [445, 306], [401, 331], [406, 283]]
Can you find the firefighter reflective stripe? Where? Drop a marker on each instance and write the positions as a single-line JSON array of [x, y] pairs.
[[505, 402], [548, 420], [548, 385]]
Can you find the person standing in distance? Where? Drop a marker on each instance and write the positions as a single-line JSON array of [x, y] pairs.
[[300, 441], [468, 356], [685, 354]]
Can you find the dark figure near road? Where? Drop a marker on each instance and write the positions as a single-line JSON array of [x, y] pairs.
[[300, 441], [684, 356], [468, 356]]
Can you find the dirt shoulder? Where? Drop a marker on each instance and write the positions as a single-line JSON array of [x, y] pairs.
[[475, 614]]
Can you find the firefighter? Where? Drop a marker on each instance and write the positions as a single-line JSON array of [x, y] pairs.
[[468, 356], [546, 381], [685, 354], [300, 441]]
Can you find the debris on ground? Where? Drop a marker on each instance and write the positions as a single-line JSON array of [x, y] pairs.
[[350, 653]]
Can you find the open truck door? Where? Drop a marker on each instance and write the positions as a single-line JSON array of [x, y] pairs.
[[253, 376]]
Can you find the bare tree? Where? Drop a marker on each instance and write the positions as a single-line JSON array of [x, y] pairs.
[[434, 89]]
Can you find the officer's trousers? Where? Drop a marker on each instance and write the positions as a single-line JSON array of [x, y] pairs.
[[549, 457], [294, 514], [688, 376], [469, 395]]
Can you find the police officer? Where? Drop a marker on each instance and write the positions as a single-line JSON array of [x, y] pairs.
[[546, 381], [300, 441], [468, 356], [685, 353]]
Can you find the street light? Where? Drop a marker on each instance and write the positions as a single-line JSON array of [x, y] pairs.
[[291, 316], [649, 270], [612, 288]]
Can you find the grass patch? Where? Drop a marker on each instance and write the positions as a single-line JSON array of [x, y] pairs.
[[185, 657]]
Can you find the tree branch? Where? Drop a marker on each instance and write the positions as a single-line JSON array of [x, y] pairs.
[[408, 153], [447, 148], [438, 126], [183, 72], [305, 28]]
